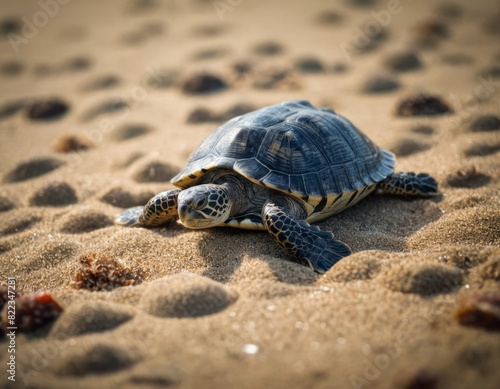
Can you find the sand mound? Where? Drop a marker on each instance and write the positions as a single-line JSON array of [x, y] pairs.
[[100, 357], [478, 225], [421, 279], [86, 220], [353, 268], [186, 295], [55, 194], [119, 197], [151, 169], [18, 222], [31, 169], [5, 204], [89, 317]]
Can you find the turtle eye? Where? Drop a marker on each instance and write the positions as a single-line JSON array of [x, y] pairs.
[[200, 204]]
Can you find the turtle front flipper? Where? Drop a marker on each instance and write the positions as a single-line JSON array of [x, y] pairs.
[[306, 243], [411, 184], [160, 209]]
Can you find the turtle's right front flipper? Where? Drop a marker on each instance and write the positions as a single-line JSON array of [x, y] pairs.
[[160, 209], [305, 242]]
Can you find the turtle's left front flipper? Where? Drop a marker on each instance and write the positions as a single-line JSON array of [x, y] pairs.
[[410, 184], [160, 209], [305, 242]]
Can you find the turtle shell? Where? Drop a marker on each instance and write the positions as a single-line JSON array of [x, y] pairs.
[[292, 147]]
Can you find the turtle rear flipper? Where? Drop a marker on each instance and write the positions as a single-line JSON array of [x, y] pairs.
[[159, 210], [305, 242], [410, 184], [129, 217]]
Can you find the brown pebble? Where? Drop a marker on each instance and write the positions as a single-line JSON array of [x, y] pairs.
[[422, 105], [72, 142], [32, 312], [203, 83], [47, 109], [481, 310]]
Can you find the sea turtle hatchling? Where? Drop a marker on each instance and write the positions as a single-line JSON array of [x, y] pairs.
[[278, 169]]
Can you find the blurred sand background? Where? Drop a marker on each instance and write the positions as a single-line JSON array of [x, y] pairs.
[[223, 307]]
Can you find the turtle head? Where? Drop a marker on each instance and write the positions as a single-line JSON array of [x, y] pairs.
[[203, 206]]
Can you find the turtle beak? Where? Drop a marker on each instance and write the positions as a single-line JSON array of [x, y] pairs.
[[191, 218]]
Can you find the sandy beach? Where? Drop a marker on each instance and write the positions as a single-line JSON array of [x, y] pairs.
[[103, 102]]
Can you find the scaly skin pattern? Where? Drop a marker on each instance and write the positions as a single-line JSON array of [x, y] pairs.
[[305, 242], [411, 184], [161, 209]]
